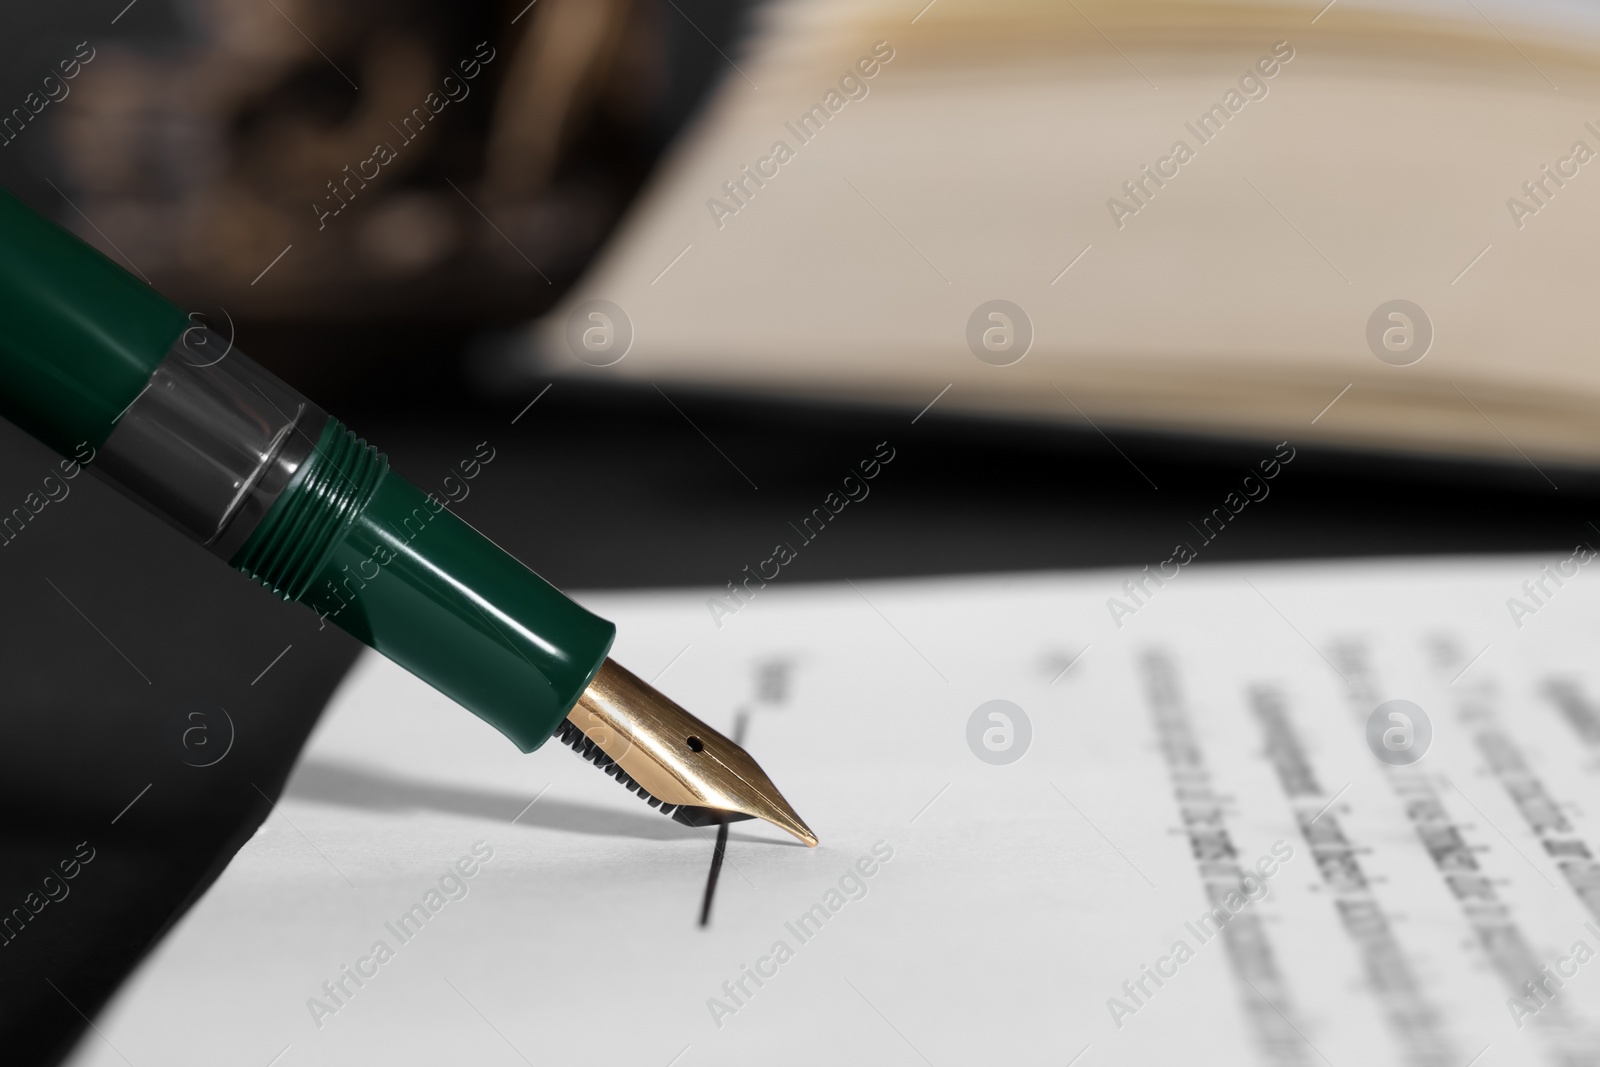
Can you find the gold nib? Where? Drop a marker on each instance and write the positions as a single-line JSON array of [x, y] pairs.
[[676, 758]]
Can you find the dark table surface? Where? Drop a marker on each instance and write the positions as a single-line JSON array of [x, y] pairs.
[[688, 495]]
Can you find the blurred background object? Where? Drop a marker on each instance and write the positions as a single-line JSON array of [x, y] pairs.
[[1206, 218], [377, 195], [485, 149]]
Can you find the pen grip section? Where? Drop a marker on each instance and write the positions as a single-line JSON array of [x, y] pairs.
[[395, 568]]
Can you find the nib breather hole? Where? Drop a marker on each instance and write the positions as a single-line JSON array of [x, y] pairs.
[[696, 745]]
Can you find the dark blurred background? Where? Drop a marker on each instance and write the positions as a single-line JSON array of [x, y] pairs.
[[191, 148], [194, 144]]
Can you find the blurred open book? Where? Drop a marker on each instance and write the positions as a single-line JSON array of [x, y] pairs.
[[1333, 160]]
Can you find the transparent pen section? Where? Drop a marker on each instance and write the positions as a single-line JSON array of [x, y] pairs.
[[211, 441]]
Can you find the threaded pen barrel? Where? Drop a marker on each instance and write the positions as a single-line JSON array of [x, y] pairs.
[[391, 565]]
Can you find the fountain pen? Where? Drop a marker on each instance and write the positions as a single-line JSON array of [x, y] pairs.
[[98, 366]]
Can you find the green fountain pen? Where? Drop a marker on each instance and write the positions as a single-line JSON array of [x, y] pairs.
[[93, 361]]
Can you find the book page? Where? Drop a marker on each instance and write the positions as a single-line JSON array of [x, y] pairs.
[[1286, 814], [1200, 217]]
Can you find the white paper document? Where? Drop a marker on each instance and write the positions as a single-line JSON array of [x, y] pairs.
[[1096, 818]]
